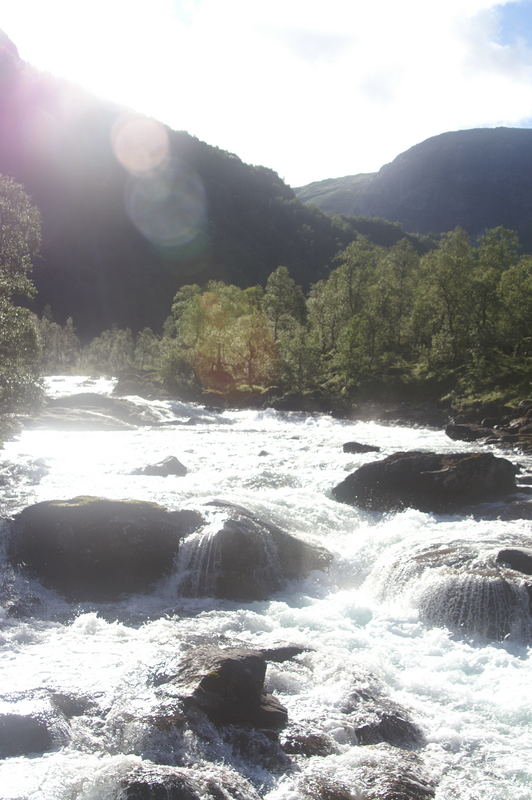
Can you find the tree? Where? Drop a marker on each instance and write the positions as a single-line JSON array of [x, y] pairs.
[[20, 237], [283, 300]]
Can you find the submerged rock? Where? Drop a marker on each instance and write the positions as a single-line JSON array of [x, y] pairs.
[[381, 773], [168, 466], [90, 548], [247, 559], [228, 686], [427, 481], [519, 559]]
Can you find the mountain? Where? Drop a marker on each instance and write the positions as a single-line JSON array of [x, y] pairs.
[[476, 179], [118, 242]]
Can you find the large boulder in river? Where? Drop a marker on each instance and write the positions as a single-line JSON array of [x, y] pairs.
[[228, 686], [90, 548], [246, 559], [427, 481]]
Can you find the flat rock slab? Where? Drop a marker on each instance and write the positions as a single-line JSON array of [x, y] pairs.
[[92, 411], [427, 481], [94, 549]]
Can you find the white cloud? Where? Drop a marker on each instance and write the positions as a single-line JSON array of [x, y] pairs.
[[311, 89]]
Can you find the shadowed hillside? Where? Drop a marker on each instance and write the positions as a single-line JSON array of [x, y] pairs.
[[132, 210]]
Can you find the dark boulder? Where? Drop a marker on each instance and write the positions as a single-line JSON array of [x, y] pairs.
[[357, 447], [168, 466], [427, 481], [519, 559], [30, 734], [228, 686], [94, 549], [467, 432], [247, 559]]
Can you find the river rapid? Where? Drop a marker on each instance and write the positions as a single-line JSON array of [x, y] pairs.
[[471, 698]]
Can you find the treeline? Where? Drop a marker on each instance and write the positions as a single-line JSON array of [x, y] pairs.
[[455, 321]]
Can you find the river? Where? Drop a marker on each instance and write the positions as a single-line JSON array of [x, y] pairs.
[[471, 698]]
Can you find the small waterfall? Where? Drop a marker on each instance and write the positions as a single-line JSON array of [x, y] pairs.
[[198, 564], [479, 605], [239, 561]]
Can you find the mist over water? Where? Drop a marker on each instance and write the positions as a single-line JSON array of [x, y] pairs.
[[368, 620]]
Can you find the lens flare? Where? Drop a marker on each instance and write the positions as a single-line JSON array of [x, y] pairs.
[[168, 205], [165, 198], [140, 144]]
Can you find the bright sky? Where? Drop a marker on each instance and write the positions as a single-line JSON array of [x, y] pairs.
[[311, 88]]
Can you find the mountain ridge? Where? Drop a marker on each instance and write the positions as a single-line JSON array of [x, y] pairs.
[[476, 179]]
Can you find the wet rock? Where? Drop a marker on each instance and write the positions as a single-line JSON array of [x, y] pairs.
[[280, 654], [72, 705], [29, 734], [168, 466], [309, 744], [90, 548], [357, 447], [228, 686], [248, 559], [259, 747], [516, 558], [375, 718], [427, 481], [156, 782]]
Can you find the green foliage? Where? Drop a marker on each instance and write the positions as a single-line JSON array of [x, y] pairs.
[[19, 243], [456, 321], [224, 335]]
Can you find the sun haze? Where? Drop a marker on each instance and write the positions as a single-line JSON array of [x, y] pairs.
[[312, 90]]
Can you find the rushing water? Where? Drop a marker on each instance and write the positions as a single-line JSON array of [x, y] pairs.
[[360, 620]]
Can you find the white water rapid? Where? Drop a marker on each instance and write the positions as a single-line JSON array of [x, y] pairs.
[[92, 670]]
